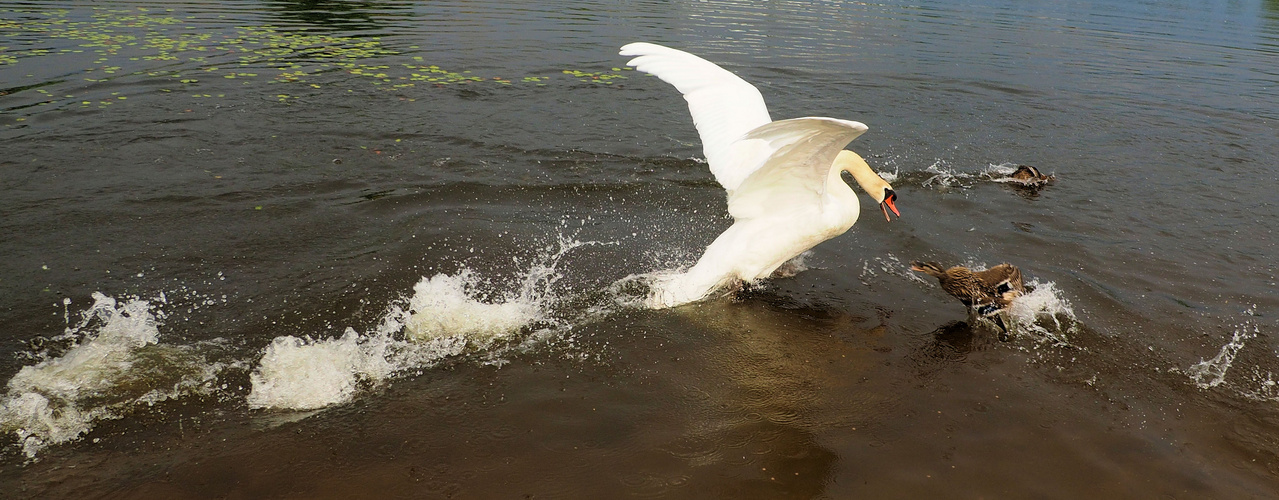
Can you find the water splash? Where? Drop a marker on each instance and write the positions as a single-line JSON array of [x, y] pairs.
[[889, 177], [1043, 312], [1208, 373], [1000, 172], [305, 374], [946, 176], [1264, 386], [447, 315], [455, 305], [445, 305], [115, 362]]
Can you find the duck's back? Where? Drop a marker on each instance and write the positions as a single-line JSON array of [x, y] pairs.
[[1002, 279]]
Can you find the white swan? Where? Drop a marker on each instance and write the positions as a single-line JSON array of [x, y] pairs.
[[785, 190]]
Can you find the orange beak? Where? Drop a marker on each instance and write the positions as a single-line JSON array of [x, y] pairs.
[[889, 203]]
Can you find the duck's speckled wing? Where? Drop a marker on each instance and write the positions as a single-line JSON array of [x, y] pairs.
[[1002, 279]]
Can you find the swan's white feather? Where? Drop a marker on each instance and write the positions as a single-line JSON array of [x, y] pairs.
[[724, 106], [779, 175], [800, 154]]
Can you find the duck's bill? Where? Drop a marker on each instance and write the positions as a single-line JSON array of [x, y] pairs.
[[889, 203]]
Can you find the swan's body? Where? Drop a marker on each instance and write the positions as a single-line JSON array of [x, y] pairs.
[[783, 178]]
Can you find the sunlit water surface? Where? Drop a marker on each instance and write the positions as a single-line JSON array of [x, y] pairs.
[[396, 249]]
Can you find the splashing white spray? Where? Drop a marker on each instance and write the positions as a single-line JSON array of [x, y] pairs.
[[445, 305], [58, 399], [447, 315], [1043, 312], [945, 176], [1209, 373]]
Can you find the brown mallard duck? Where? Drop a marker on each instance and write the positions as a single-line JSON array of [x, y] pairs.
[[1029, 176], [987, 293]]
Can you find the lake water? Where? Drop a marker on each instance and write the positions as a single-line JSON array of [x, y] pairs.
[[262, 249]]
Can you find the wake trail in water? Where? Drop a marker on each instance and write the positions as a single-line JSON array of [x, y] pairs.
[[448, 315], [941, 175], [115, 363], [114, 360]]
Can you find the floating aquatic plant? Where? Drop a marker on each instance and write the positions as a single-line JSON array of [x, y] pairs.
[[596, 76], [164, 44]]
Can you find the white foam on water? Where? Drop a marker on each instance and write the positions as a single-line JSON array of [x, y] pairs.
[[305, 374], [445, 305], [946, 176], [1208, 373], [1000, 172], [59, 398], [1044, 312], [454, 306], [447, 315], [1043, 300], [100, 358]]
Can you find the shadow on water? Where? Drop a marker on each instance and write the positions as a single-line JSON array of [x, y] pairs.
[[953, 341], [948, 345], [773, 397], [792, 465], [338, 15]]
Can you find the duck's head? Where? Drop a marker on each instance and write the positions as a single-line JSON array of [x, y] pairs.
[[874, 185], [929, 268]]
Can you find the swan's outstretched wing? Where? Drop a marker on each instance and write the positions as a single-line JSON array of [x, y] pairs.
[[724, 106], [800, 153]]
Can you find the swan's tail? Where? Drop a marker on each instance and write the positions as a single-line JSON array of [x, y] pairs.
[[676, 289], [671, 290]]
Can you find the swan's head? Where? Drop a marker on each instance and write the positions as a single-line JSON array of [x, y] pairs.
[[874, 185], [888, 202]]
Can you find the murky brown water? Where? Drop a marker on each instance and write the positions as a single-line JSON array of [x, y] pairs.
[[259, 191]]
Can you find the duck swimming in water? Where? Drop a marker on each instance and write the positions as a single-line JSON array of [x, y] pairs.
[[1029, 176], [987, 293]]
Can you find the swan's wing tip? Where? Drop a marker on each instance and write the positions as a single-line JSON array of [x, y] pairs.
[[859, 127], [723, 106], [642, 48], [808, 124]]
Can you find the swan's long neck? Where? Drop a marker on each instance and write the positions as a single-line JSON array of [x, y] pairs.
[[871, 182]]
